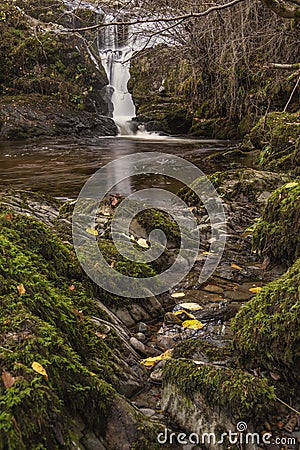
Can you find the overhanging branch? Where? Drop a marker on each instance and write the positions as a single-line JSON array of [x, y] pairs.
[[283, 9], [160, 19]]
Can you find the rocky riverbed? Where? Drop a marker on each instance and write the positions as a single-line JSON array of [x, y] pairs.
[[198, 359]]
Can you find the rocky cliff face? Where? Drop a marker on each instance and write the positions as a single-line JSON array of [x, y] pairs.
[[49, 81]]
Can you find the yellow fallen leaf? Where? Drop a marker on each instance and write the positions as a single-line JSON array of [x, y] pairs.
[[235, 266], [21, 289], [178, 294], [37, 367], [206, 253], [92, 231], [255, 290], [142, 243], [193, 324], [185, 313], [190, 306], [152, 361]]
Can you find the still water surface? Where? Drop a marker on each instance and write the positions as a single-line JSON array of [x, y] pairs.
[[61, 167]]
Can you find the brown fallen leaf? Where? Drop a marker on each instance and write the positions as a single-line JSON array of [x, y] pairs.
[[8, 216], [37, 367], [72, 287], [265, 263], [100, 335], [114, 201], [8, 379], [21, 289], [79, 314], [275, 376]]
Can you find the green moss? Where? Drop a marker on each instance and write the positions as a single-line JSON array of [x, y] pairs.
[[277, 234], [234, 184], [152, 219], [242, 394], [267, 329], [50, 324], [277, 136], [197, 349], [47, 63]]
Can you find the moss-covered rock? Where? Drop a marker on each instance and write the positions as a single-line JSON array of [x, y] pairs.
[[233, 390], [277, 234], [49, 316], [242, 185], [197, 349], [40, 69], [267, 329], [277, 136]]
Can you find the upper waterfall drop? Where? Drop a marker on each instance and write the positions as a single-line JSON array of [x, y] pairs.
[[115, 51]]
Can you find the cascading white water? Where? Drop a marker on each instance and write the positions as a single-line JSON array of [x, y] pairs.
[[115, 53]]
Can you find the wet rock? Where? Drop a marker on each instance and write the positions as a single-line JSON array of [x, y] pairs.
[[92, 442], [166, 342], [141, 337], [213, 289], [137, 345], [156, 376], [124, 316], [141, 327], [148, 412], [36, 116], [170, 318], [138, 313]]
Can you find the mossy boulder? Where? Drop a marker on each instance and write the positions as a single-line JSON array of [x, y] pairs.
[[241, 185], [267, 329], [42, 68], [198, 349], [50, 317], [277, 136], [219, 128], [277, 234], [242, 395]]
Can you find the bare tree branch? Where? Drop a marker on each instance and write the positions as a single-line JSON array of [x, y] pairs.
[[292, 94], [283, 9], [160, 19], [281, 66]]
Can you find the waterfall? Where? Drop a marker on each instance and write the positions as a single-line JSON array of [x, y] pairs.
[[115, 51]]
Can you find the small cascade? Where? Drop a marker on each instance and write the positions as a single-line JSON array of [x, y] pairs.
[[115, 51]]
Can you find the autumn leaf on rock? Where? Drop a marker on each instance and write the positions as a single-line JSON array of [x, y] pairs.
[[8, 379], [21, 289], [39, 369], [255, 290], [178, 294], [235, 266], [92, 231]]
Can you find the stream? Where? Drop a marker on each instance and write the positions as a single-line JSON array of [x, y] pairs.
[[60, 167]]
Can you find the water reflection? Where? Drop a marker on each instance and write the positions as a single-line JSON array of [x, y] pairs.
[[61, 167]]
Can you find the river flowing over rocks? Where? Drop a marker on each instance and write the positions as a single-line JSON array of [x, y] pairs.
[[205, 364]]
